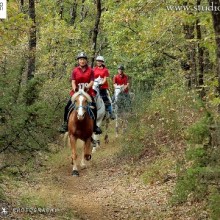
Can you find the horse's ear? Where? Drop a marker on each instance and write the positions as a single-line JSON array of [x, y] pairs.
[[73, 98], [87, 96]]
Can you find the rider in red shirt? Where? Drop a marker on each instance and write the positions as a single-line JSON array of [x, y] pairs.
[[81, 75], [121, 79], [101, 71]]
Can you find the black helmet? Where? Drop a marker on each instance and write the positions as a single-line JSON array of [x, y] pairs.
[[121, 67], [82, 55]]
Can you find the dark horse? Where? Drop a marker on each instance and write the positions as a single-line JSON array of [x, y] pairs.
[[80, 126]]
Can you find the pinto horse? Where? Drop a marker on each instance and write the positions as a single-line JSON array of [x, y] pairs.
[[102, 114], [80, 126]]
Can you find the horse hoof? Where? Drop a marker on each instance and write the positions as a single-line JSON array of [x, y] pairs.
[[75, 173], [88, 157]]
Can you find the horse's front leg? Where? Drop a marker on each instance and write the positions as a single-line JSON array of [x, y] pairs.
[[94, 142], [74, 155], [86, 153], [106, 130], [87, 149], [116, 126], [96, 139]]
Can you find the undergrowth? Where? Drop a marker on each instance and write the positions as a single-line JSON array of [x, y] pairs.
[[161, 121], [176, 119]]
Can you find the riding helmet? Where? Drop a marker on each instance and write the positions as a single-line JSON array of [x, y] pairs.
[[82, 55], [121, 67], [100, 58]]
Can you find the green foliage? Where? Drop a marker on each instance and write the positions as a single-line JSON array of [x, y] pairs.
[[199, 133], [32, 90], [149, 40], [161, 117], [189, 186], [214, 203], [201, 168], [158, 170]]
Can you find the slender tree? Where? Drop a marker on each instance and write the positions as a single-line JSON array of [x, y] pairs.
[[96, 29], [189, 31], [32, 41], [216, 25], [83, 11], [73, 12], [200, 56], [22, 5], [61, 9]]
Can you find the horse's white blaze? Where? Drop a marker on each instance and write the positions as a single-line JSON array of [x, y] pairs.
[[80, 111]]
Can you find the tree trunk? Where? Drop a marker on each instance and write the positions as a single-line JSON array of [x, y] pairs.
[[22, 5], [61, 10], [83, 12], [190, 52], [73, 13], [32, 41], [200, 57], [191, 55], [216, 25], [96, 30]]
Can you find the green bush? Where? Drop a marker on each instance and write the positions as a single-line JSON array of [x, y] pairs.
[[214, 203], [199, 132], [190, 183]]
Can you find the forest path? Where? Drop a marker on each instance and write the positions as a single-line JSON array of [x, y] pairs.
[[111, 189]]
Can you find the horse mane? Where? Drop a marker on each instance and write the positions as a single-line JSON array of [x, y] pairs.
[[81, 92]]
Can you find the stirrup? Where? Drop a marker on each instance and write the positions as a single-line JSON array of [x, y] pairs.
[[63, 128], [112, 116]]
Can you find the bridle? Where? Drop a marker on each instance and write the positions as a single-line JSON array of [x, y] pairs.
[[81, 109]]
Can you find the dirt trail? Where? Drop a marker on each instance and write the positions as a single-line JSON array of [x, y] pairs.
[[112, 189]]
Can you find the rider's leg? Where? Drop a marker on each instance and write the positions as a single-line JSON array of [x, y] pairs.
[[96, 129], [107, 100], [104, 95], [64, 127], [109, 109]]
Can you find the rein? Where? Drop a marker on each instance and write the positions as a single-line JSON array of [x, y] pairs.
[[81, 106], [87, 108]]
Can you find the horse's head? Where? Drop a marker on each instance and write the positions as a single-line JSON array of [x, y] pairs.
[[81, 100], [96, 84], [118, 90]]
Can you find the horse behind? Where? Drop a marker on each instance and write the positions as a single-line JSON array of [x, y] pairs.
[[102, 114], [80, 126], [121, 107]]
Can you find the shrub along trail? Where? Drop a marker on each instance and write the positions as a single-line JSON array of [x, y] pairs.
[[110, 188]]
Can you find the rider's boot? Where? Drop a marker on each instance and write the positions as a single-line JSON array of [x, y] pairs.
[[112, 116], [64, 126], [109, 109]]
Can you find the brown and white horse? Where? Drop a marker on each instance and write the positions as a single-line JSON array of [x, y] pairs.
[[80, 126]]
